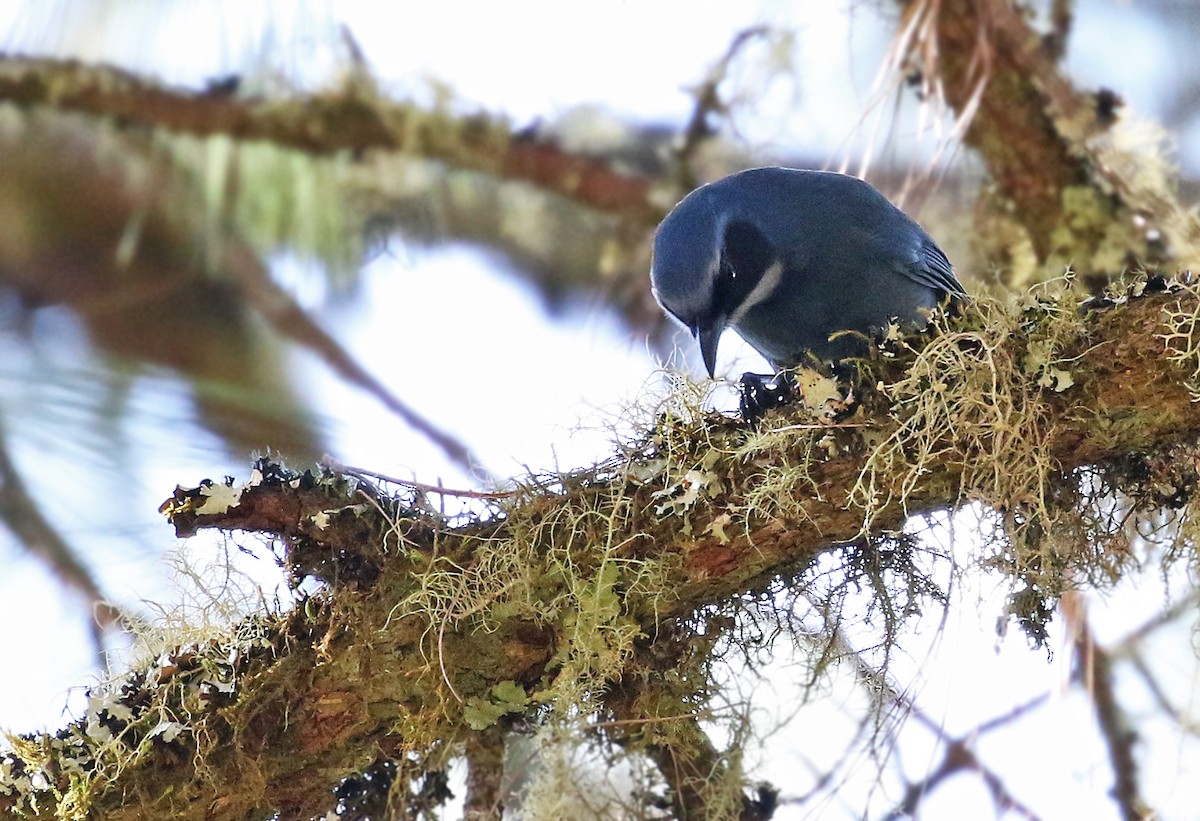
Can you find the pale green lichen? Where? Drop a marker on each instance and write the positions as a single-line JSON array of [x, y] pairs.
[[1181, 335]]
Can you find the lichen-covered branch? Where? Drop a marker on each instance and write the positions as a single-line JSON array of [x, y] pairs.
[[1087, 193], [428, 631], [355, 120]]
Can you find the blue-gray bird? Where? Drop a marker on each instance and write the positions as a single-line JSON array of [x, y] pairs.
[[805, 265]]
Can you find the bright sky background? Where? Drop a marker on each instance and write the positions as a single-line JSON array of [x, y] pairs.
[[489, 335]]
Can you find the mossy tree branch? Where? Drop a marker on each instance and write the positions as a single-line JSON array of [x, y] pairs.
[[429, 632], [1048, 145], [355, 120]]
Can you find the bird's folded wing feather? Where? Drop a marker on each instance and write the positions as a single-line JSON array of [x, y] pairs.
[[931, 268]]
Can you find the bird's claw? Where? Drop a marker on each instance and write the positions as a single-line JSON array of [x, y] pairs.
[[761, 392]]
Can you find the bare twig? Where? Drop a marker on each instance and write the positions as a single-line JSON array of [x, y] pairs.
[[1095, 666], [287, 317], [709, 103], [1186, 606], [421, 486], [1186, 723], [20, 514], [959, 755]]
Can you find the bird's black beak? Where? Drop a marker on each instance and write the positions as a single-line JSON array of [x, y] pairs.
[[708, 333]]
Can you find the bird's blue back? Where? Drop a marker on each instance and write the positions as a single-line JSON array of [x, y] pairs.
[[850, 261]]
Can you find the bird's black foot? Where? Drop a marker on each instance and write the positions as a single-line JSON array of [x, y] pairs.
[[761, 392]]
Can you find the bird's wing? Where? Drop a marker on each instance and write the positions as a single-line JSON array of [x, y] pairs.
[[932, 269]]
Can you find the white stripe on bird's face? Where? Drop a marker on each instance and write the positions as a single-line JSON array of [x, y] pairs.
[[764, 288]]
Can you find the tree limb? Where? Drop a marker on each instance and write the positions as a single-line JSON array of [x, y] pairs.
[[425, 622], [352, 121], [1046, 144]]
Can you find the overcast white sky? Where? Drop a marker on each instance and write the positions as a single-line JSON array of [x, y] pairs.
[[530, 60]]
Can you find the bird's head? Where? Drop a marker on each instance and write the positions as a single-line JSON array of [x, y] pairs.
[[686, 269], [709, 256]]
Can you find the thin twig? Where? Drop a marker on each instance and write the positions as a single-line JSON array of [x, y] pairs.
[[1133, 639], [278, 307], [421, 486], [21, 515], [1115, 727], [708, 102], [959, 755], [1185, 722]]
